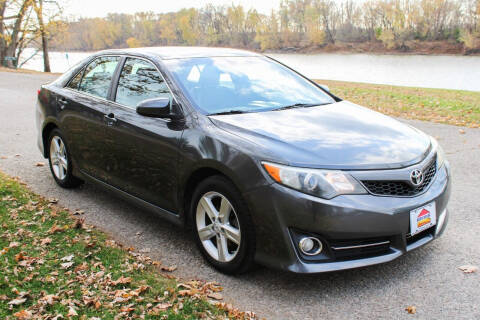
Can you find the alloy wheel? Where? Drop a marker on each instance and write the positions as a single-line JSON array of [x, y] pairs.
[[218, 226], [58, 157]]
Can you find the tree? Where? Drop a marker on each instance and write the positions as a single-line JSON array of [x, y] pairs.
[[13, 40], [187, 23], [267, 32], [3, 6], [38, 6]]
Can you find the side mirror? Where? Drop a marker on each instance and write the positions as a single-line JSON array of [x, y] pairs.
[[156, 108], [324, 87]]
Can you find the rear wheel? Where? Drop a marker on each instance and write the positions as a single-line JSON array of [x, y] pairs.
[[60, 161], [222, 226]]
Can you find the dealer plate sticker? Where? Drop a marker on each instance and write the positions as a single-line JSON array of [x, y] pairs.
[[422, 218]]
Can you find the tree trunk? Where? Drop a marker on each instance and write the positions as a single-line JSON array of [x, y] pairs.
[[39, 10], [12, 47], [3, 44]]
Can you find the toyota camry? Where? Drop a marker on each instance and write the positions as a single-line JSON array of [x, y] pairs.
[[262, 164]]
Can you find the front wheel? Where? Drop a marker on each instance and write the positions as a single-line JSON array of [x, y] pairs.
[[223, 228], [61, 162]]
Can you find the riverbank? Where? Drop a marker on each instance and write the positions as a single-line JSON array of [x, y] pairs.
[[455, 107], [412, 47], [3, 69], [53, 265]]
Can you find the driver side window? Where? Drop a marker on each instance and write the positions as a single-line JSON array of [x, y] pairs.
[[140, 81]]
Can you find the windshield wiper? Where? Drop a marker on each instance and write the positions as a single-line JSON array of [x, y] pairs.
[[227, 112], [300, 105]]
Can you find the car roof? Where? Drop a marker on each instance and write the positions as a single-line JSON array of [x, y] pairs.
[[184, 52]]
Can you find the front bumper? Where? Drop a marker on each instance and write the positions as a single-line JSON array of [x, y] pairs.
[[281, 213]]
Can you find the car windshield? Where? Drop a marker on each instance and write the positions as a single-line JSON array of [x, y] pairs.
[[243, 84]]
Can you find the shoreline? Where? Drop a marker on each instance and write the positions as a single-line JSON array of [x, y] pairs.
[[407, 48]]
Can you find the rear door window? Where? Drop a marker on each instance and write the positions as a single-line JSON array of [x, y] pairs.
[[98, 76], [75, 82], [139, 81]]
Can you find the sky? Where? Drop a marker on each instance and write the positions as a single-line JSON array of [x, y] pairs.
[[100, 8]]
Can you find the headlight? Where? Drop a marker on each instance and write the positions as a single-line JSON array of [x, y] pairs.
[[440, 153], [325, 184]]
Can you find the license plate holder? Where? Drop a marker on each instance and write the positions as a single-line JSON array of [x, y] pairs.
[[422, 218]]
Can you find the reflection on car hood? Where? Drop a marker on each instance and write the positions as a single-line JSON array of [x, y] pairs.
[[340, 135]]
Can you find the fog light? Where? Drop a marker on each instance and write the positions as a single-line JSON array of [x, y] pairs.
[[310, 246]]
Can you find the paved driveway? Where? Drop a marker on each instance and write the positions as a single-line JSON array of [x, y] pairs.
[[427, 278]]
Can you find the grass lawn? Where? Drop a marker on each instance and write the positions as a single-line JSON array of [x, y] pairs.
[[52, 265], [461, 108]]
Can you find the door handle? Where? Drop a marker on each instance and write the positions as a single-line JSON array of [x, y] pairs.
[[62, 102], [110, 119]]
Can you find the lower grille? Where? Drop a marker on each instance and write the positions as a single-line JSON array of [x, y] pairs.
[[411, 239], [401, 188], [357, 249]]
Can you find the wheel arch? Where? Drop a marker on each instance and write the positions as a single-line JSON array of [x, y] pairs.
[[194, 178], [47, 129]]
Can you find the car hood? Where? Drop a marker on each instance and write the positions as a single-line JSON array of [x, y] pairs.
[[340, 135]]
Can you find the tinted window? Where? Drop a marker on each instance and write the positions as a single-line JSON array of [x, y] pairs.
[[248, 84], [98, 75], [75, 82], [140, 81]]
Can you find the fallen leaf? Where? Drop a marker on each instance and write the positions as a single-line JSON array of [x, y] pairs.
[[78, 224], [48, 299], [411, 309], [66, 265], [67, 258], [23, 314], [162, 306], [168, 269], [122, 280], [45, 241], [16, 302], [461, 131], [19, 257], [39, 164], [468, 268], [82, 267], [14, 244], [55, 229], [3, 157], [126, 309], [215, 295], [72, 312], [78, 212], [145, 250], [53, 200]]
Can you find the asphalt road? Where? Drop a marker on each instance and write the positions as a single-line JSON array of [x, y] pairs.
[[427, 278]]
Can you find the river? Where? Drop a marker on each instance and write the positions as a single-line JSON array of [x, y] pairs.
[[449, 72]]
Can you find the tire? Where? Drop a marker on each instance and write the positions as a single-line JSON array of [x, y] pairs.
[[235, 226], [60, 161]]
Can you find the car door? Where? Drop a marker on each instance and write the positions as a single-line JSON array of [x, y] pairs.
[[144, 150], [82, 110]]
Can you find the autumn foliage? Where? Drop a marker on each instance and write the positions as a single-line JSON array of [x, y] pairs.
[[296, 24]]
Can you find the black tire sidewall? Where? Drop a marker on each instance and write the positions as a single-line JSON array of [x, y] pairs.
[[243, 261]]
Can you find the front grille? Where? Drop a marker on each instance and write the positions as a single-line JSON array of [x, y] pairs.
[[401, 188]]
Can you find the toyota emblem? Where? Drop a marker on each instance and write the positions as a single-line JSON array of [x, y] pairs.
[[416, 177]]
